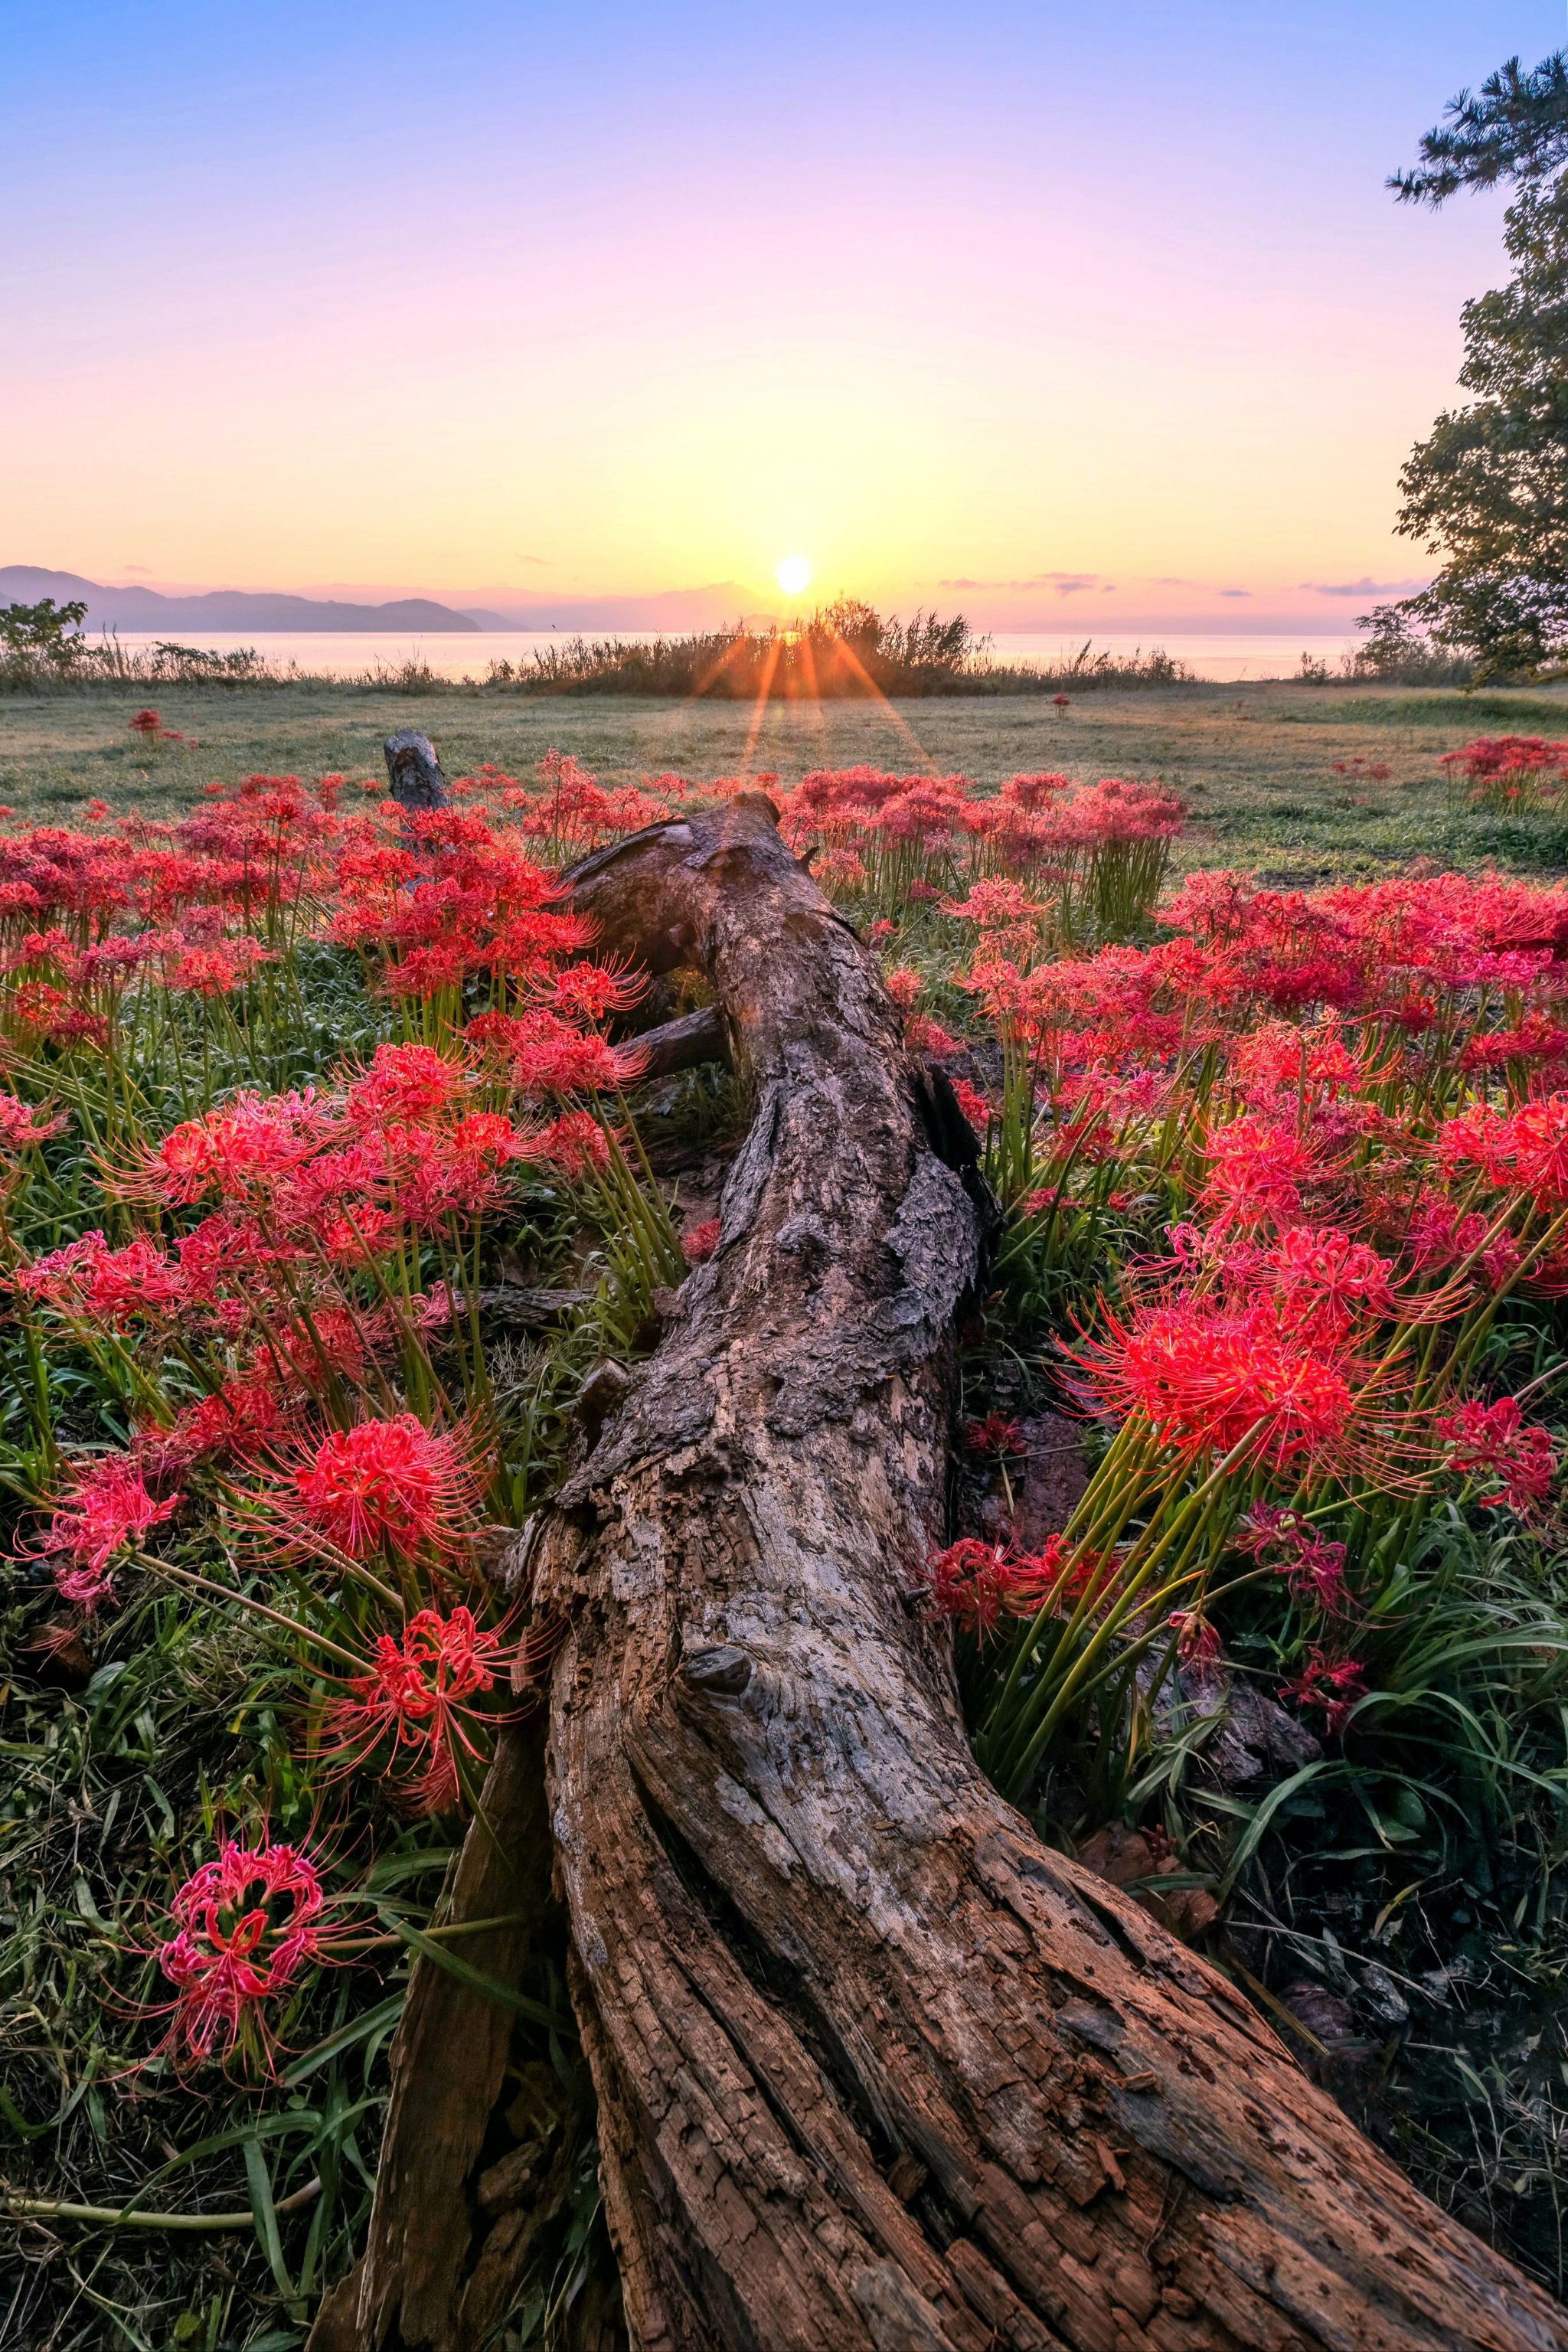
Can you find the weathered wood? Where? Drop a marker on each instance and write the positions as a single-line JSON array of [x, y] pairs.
[[876, 2069], [514, 1307], [417, 781], [682, 1044], [862, 2044]]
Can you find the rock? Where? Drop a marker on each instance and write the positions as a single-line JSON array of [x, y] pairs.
[[1323, 2013], [1256, 1734]]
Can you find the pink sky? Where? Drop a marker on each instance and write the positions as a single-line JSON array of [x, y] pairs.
[[1077, 324]]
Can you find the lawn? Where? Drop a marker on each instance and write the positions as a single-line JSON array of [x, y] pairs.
[[1257, 763]]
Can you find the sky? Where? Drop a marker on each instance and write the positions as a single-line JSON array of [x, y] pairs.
[[1066, 317]]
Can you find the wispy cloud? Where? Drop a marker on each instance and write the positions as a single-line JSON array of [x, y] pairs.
[[1063, 583], [1362, 587], [1236, 592]]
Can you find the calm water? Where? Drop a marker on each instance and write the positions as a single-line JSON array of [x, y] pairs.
[[459, 656]]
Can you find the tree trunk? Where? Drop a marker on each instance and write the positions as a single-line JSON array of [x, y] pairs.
[[876, 2069]]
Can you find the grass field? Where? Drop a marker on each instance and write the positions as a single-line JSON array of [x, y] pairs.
[[1257, 763]]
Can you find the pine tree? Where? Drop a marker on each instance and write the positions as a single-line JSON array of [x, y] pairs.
[[1487, 489]]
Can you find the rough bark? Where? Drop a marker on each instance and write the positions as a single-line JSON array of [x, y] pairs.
[[415, 771], [876, 2069]]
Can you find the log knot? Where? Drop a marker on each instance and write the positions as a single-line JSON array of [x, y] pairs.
[[721, 1672]]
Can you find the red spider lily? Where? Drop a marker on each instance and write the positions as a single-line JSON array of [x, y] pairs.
[[698, 1243], [224, 1250], [995, 1435], [904, 987], [971, 1582], [1328, 1282], [1439, 1238], [23, 1125], [235, 1419], [413, 1693], [1290, 1545], [145, 722], [1009, 917], [1197, 1638], [392, 1484], [1525, 1149], [1258, 1167], [973, 1105], [591, 992], [89, 1280], [1535, 1039], [977, 1583], [574, 1143], [405, 1084], [1507, 769], [1497, 1439], [924, 1035], [47, 1013], [1209, 1378], [246, 1924], [238, 1151], [545, 1055], [1333, 1684], [104, 1505], [215, 971], [1303, 1063]]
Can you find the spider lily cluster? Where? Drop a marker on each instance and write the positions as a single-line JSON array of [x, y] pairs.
[[264, 1263], [1097, 854], [1514, 774], [284, 1083], [1281, 1179]]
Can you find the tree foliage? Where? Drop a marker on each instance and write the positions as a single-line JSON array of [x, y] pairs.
[[1516, 129], [1487, 489], [46, 634]]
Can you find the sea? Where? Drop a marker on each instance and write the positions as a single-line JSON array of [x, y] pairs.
[[459, 655]]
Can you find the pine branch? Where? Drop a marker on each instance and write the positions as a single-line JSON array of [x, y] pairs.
[[1516, 129]]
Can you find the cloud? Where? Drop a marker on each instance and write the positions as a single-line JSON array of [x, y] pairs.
[[1066, 583], [1362, 587], [1236, 592], [145, 570]]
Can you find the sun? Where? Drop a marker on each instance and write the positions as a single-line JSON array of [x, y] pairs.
[[794, 575]]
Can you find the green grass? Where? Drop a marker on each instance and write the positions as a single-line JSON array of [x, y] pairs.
[[1256, 762]]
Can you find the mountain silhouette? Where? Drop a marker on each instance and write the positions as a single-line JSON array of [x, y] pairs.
[[145, 611]]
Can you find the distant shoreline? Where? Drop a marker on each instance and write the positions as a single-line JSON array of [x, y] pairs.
[[1245, 657]]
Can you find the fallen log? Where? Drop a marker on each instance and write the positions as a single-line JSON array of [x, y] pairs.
[[875, 2069]]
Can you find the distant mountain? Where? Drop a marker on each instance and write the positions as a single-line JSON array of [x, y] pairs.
[[226, 610]]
